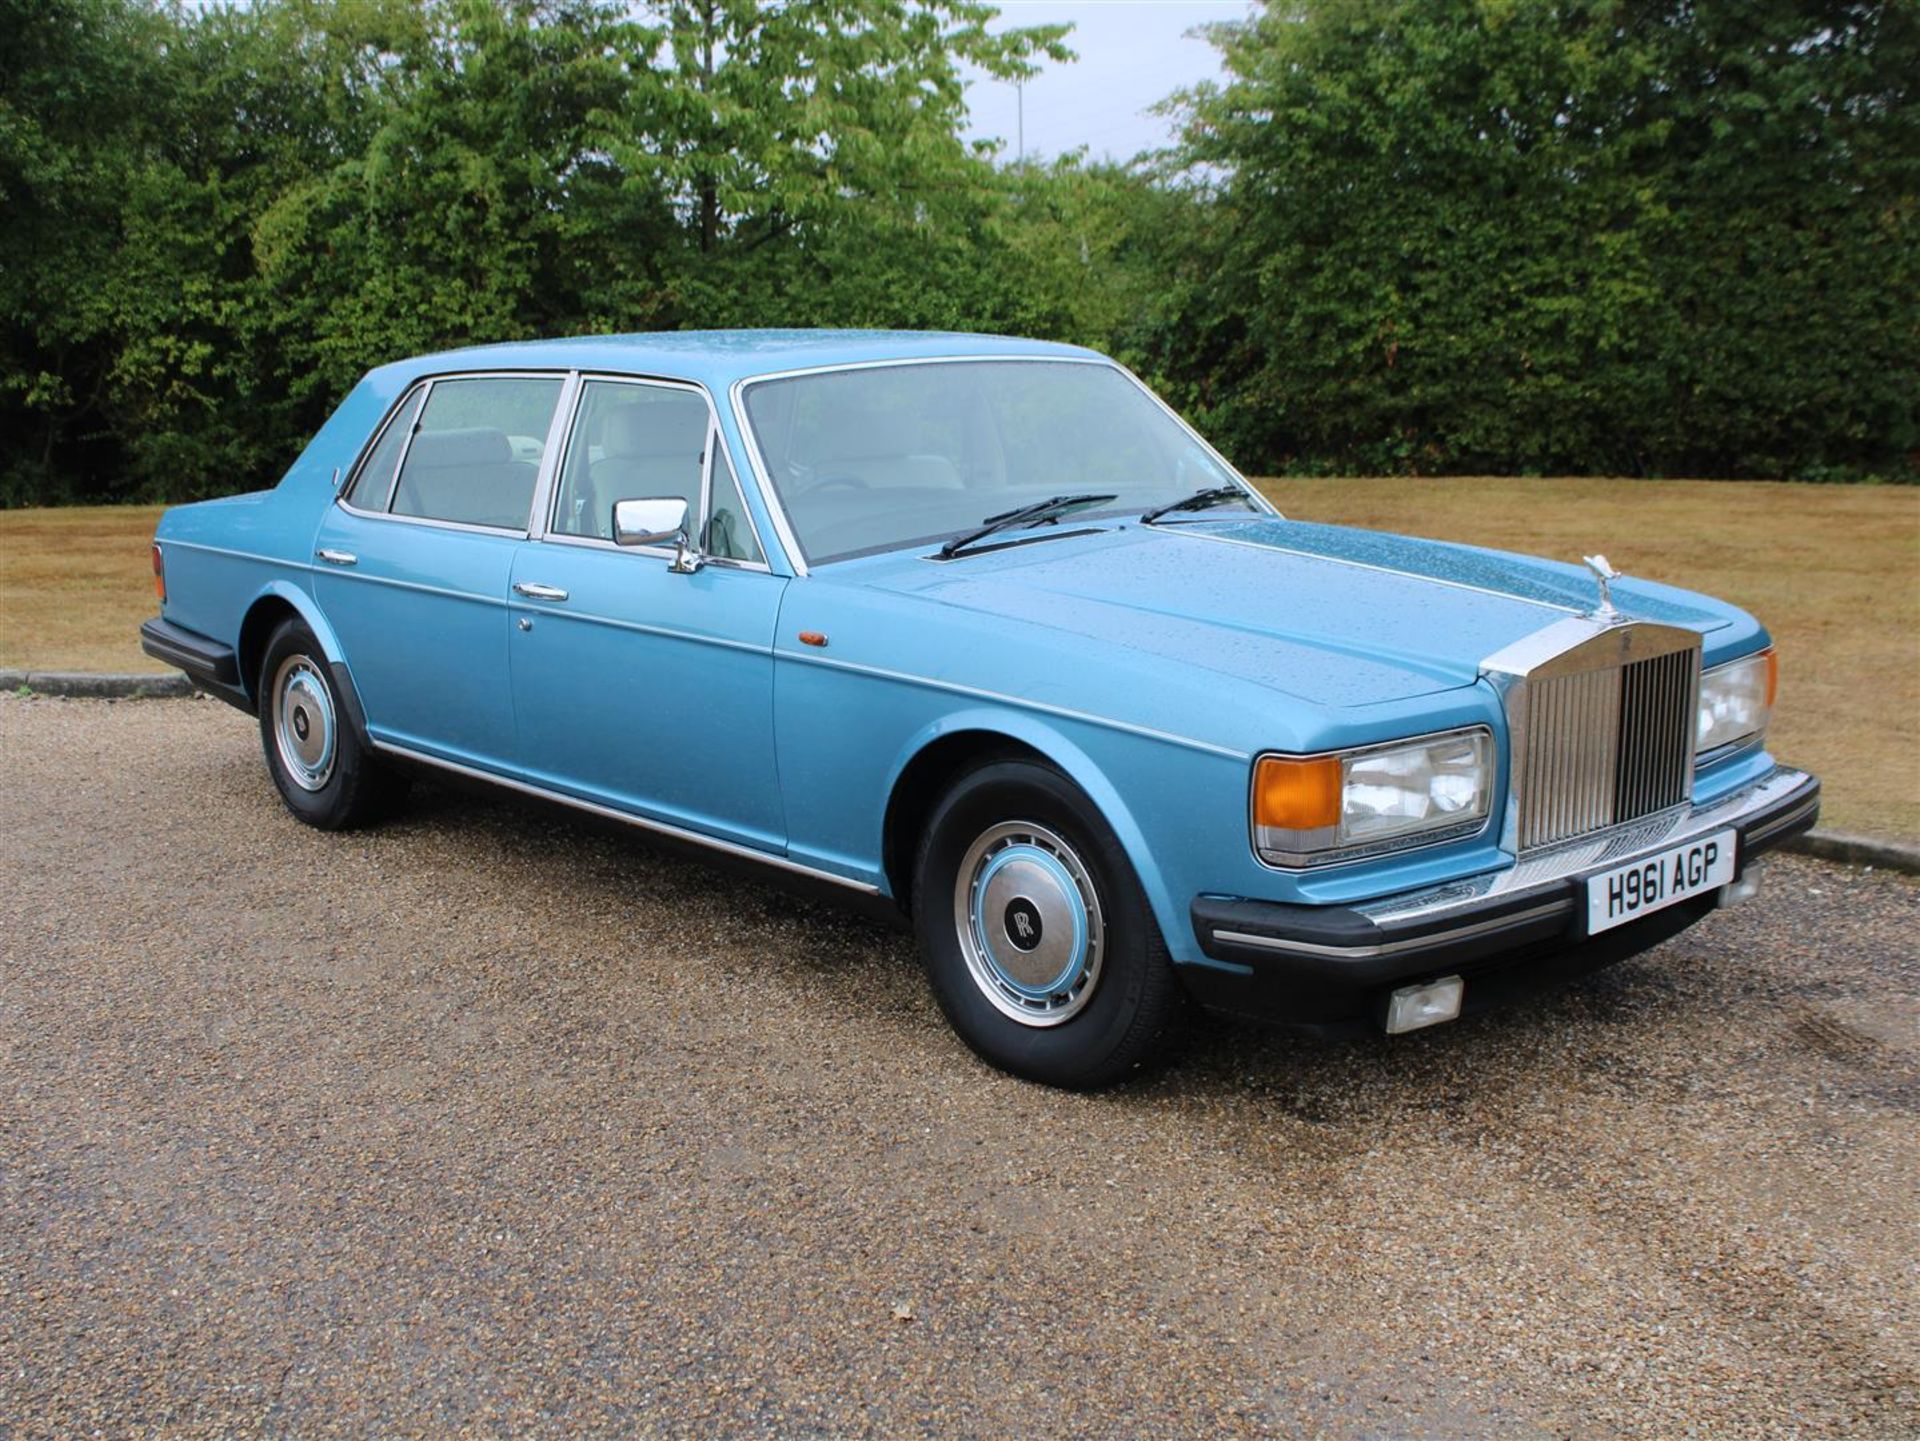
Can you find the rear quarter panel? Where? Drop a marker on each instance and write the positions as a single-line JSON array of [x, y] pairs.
[[222, 556]]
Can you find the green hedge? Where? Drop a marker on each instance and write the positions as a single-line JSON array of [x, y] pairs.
[[1586, 237]]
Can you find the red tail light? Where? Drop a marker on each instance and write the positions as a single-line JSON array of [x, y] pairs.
[[159, 574]]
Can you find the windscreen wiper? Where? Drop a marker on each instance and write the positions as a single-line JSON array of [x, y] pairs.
[[1041, 512], [1200, 500]]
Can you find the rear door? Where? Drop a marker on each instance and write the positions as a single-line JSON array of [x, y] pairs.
[[412, 566]]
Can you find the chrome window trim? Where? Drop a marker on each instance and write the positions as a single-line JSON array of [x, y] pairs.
[[557, 429], [372, 443], [1260, 502], [776, 507], [432, 524], [639, 822], [659, 552], [406, 449], [428, 382], [1374, 850], [546, 503], [719, 439]]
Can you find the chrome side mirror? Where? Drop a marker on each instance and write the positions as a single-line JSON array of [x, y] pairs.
[[648, 522], [656, 521]]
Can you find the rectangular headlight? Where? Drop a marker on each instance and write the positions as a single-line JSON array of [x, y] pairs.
[[1735, 701], [1308, 810]]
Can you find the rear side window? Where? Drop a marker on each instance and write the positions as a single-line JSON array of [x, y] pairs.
[[476, 451], [373, 482]]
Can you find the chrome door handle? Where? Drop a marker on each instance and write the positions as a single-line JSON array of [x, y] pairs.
[[538, 592], [338, 557]]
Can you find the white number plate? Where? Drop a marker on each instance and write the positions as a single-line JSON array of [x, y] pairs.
[[1629, 892]]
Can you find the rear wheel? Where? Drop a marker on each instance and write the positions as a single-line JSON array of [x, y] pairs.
[[1036, 936], [323, 773]]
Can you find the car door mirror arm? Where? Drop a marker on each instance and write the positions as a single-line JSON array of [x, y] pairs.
[[687, 558]]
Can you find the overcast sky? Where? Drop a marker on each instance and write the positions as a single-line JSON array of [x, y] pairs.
[[1133, 54]]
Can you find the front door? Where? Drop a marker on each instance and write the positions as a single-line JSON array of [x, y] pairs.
[[636, 686]]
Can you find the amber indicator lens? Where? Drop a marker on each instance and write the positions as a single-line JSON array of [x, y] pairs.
[[1297, 795], [1773, 675]]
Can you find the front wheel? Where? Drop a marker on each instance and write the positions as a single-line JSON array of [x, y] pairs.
[[323, 773], [1036, 936]]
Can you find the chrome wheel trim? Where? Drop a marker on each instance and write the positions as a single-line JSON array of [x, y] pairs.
[[1029, 923], [304, 731]]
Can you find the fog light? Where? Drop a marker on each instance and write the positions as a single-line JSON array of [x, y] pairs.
[[1412, 1007], [1744, 889]]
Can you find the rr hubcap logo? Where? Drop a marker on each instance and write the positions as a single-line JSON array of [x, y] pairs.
[[1023, 923], [300, 726]]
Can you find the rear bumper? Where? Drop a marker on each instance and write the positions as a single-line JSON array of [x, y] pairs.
[[210, 665], [1506, 933]]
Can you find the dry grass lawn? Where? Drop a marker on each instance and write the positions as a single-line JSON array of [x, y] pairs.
[[75, 583], [1834, 572]]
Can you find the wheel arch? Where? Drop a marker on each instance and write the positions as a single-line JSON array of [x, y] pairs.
[[274, 604], [943, 751]]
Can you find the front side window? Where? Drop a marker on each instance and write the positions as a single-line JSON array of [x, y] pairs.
[[629, 442], [729, 534], [889, 456], [476, 451], [633, 441]]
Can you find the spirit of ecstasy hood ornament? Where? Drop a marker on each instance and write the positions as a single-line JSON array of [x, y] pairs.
[[1606, 574]]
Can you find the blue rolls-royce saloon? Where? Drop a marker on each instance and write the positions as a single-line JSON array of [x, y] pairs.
[[979, 632]]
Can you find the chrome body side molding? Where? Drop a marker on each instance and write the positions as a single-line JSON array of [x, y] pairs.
[[644, 823]]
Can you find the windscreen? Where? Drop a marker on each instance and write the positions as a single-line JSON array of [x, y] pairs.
[[882, 457]]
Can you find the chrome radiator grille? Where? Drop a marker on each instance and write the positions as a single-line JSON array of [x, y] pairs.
[[1605, 746]]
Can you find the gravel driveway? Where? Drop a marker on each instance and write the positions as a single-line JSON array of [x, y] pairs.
[[488, 1122]]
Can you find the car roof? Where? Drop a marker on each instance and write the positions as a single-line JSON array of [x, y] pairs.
[[718, 358]]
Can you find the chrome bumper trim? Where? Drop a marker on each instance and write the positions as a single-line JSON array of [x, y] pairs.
[[1426, 940], [1611, 847], [1784, 822]]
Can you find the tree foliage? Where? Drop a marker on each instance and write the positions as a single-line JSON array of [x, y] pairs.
[[1629, 236], [1578, 235]]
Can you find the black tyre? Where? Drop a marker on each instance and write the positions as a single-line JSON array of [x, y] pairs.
[[1035, 933], [326, 777]]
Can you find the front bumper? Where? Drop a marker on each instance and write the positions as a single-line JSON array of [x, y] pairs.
[[1512, 931]]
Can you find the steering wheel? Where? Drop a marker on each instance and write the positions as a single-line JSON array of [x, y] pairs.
[[842, 481]]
